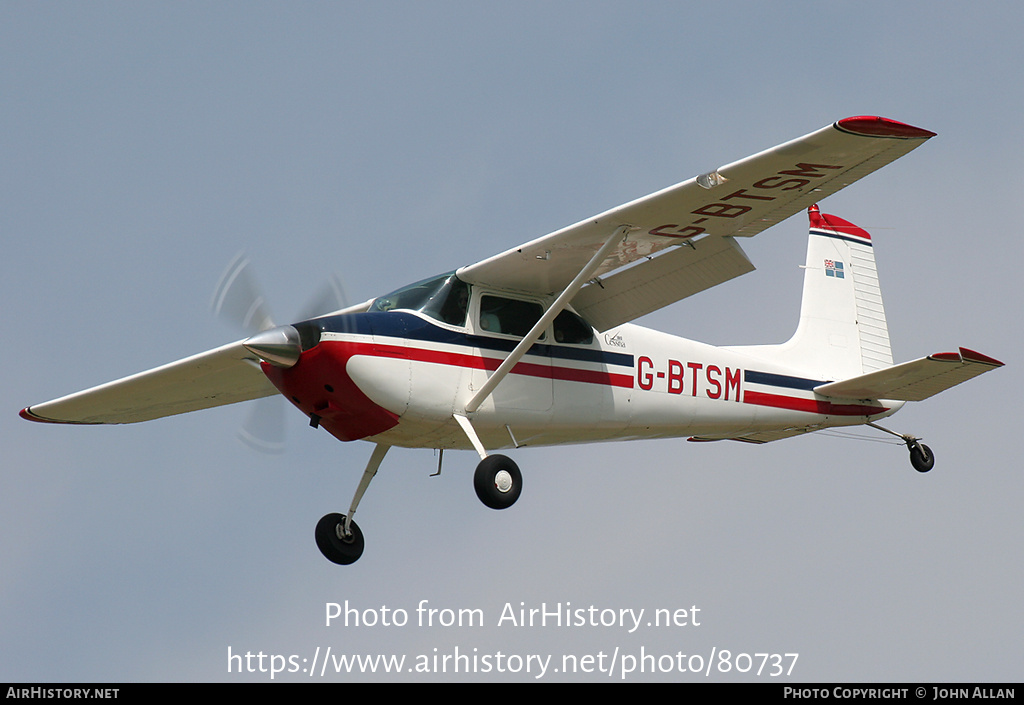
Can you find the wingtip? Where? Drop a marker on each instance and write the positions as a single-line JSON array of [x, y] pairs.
[[973, 356], [966, 355], [874, 126], [27, 414]]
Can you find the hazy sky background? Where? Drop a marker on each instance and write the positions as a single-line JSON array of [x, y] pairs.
[[143, 144]]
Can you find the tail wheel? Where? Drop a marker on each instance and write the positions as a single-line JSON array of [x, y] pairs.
[[921, 457], [332, 541], [498, 481]]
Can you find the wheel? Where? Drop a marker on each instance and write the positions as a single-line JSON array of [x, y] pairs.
[[921, 457], [498, 481], [336, 548]]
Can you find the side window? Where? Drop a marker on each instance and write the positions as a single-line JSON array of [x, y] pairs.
[[570, 328], [508, 316]]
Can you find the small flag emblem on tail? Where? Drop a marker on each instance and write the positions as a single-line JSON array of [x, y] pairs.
[[833, 269]]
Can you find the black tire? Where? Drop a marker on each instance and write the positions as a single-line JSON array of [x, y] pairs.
[[921, 457], [495, 494], [342, 551]]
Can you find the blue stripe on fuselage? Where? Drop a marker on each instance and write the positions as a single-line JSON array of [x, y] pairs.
[[399, 324], [776, 380]]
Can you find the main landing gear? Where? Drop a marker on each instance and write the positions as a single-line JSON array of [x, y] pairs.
[[921, 456], [497, 481], [337, 536]]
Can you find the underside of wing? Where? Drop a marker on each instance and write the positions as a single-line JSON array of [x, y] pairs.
[[913, 381], [224, 375], [660, 281], [737, 200]]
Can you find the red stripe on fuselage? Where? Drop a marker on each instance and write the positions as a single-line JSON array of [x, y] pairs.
[[478, 362], [813, 406]]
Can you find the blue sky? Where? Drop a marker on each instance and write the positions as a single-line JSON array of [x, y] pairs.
[[144, 144]]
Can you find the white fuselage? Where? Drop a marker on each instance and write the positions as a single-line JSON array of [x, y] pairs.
[[627, 383]]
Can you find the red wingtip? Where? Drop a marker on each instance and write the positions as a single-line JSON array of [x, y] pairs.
[[966, 355], [973, 356], [873, 126], [27, 415]]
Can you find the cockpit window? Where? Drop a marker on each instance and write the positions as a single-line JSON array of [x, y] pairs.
[[444, 298], [570, 328], [508, 316]]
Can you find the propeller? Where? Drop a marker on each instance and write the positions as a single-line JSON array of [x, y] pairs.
[[238, 300]]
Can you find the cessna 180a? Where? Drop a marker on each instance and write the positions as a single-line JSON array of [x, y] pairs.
[[534, 346]]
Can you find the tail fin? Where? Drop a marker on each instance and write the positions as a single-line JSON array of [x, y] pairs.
[[842, 331]]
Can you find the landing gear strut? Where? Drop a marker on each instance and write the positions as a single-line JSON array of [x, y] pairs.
[[337, 536], [921, 456]]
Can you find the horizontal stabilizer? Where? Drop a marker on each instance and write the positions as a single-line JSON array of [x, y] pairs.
[[913, 381], [224, 375]]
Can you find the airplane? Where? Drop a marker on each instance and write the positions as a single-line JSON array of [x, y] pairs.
[[535, 346]]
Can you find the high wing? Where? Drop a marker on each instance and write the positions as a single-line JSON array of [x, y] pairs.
[[705, 213], [224, 375]]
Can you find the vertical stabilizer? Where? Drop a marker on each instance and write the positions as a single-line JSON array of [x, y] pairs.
[[842, 331]]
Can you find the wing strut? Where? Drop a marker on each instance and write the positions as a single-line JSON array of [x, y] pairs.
[[540, 326]]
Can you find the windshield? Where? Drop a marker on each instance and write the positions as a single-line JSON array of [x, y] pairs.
[[444, 298]]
